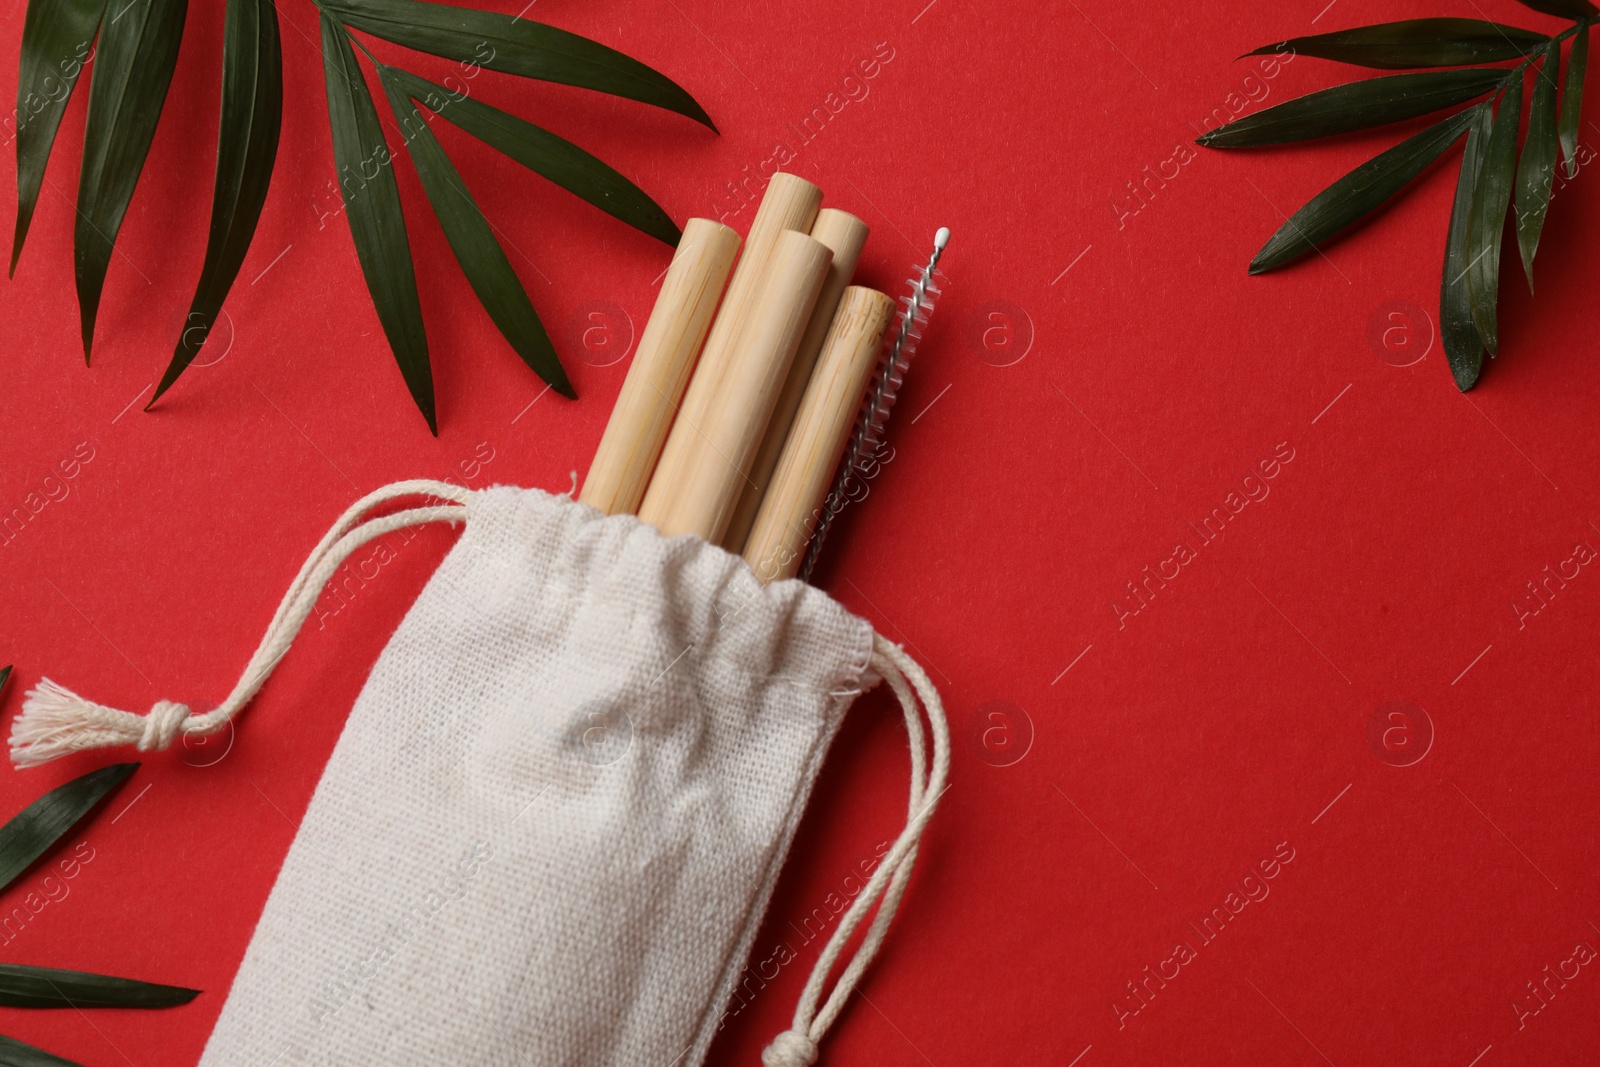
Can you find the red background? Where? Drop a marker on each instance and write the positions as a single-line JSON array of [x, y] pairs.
[[1185, 743]]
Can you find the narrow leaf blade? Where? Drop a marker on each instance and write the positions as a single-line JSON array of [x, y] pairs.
[[472, 239], [1537, 168], [1357, 194], [247, 146], [517, 46], [1572, 100], [31, 832], [1486, 224], [372, 207], [47, 987], [5, 676], [14, 1053], [1357, 106], [1463, 348], [1416, 43], [56, 38], [542, 152], [133, 67]]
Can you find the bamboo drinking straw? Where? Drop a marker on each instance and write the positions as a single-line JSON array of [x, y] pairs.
[[714, 452], [793, 501], [660, 370], [790, 203], [844, 234]]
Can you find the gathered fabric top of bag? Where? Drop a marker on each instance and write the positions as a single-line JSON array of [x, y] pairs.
[[544, 611]]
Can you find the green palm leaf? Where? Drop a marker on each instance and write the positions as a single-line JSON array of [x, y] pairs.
[[517, 46], [138, 44], [14, 1053], [1572, 100], [247, 144], [472, 239], [1538, 166], [1463, 348], [544, 153], [47, 987], [1357, 194], [56, 38], [1356, 106], [23, 839], [1491, 172], [372, 208], [1491, 198], [41, 824], [133, 67], [1416, 43]]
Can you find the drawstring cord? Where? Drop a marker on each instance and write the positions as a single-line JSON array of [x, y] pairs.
[[55, 721], [797, 1046]]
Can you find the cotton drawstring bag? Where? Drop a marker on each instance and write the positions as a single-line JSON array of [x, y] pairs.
[[551, 826]]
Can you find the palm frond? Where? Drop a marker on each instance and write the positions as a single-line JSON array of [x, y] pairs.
[[135, 51], [1493, 171]]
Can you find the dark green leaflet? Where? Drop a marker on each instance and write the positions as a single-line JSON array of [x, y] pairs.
[[1491, 173], [5, 676], [132, 69], [543, 152], [247, 145], [473, 241], [23, 840], [46, 987], [1356, 106], [1486, 224], [41, 824], [1538, 166], [516, 46], [1357, 194], [1572, 100], [134, 46], [1416, 43], [14, 1053], [1561, 9], [372, 207], [1463, 348], [56, 38]]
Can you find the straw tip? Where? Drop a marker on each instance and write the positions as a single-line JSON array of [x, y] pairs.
[[941, 238]]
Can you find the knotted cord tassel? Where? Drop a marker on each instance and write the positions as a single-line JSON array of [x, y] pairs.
[[55, 721]]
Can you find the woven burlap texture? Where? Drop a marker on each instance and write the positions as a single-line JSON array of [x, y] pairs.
[[554, 818]]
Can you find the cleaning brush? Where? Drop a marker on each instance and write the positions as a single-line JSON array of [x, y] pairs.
[[867, 441]]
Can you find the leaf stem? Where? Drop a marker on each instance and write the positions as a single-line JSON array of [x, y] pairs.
[[1541, 53], [352, 38]]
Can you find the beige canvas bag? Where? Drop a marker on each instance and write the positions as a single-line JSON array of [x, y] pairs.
[[551, 826]]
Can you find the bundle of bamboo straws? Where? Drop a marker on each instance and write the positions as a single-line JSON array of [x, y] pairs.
[[740, 446]]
